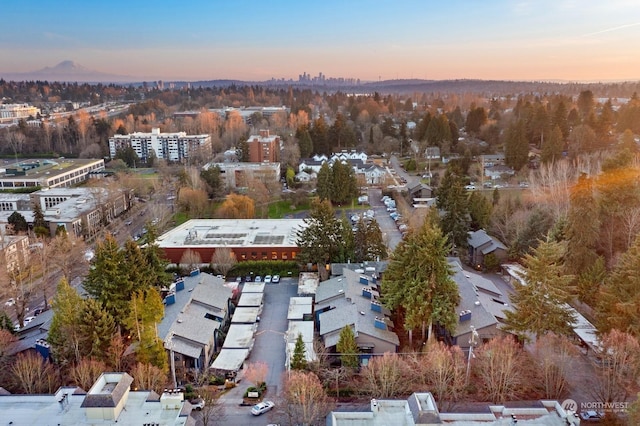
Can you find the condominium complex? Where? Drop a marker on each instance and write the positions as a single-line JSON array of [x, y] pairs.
[[168, 146], [13, 112]]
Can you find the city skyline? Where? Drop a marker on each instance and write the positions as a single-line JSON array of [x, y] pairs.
[[203, 40]]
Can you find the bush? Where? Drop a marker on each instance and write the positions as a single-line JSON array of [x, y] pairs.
[[215, 380], [265, 267]]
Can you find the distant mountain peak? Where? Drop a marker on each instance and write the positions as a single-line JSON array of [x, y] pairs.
[[68, 64]]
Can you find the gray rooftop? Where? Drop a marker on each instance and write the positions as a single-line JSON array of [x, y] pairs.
[[345, 294], [245, 315], [240, 336], [230, 359], [480, 316], [233, 233], [203, 294], [251, 299]]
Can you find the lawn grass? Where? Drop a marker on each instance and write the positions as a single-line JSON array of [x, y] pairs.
[[282, 208], [180, 218]]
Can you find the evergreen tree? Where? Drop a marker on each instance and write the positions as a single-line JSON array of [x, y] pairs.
[[96, 328], [107, 281], [559, 119], [64, 333], [299, 359], [344, 186], [242, 150], [516, 146], [453, 201], [6, 323], [324, 183], [321, 239], [348, 348], [619, 302], [39, 224], [552, 146], [215, 185], [368, 242], [146, 310], [346, 251], [480, 209], [418, 281], [476, 118], [304, 142], [541, 302], [18, 223], [136, 267], [320, 137]]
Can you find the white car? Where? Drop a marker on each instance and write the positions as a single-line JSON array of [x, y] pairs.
[[470, 187], [10, 302], [197, 404], [262, 407], [267, 279], [258, 279], [275, 279]]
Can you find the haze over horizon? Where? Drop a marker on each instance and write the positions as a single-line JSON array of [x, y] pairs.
[[493, 40]]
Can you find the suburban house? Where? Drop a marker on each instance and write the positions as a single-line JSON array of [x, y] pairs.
[[497, 172], [305, 177], [373, 174], [419, 191], [196, 311], [351, 300], [482, 244]]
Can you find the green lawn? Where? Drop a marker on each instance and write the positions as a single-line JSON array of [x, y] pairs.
[[280, 209]]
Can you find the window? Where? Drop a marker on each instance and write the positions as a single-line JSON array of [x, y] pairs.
[[274, 255]]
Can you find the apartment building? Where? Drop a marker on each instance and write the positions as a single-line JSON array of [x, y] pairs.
[[263, 148], [168, 146], [10, 113]]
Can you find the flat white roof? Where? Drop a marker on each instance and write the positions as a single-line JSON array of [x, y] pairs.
[[245, 315], [251, 299], [230, 359], [233, 233], [253, 287], [240, 336], [298, 307]]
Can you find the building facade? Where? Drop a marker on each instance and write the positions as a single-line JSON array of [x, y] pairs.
[[14, 251], [240, 175], [263, 148], [168, 146], [10, 113]]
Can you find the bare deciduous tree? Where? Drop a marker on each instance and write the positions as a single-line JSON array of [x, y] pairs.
[[33, 375], [256, 372], [554, 354], [190, 260], [304, 400], [223, 260], [149, 377], [619, 367], [499, 365], [213, 411], [85, 372], [385, 376], [442, 369]]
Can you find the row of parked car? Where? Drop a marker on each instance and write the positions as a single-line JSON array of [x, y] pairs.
[[393, 213], [268, 279]]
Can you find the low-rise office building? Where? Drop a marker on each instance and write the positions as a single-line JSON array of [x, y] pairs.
[[248, 239], [240, 175], [48, 173]]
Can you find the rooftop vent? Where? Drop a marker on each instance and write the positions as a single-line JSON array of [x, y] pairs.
[[465, 316]]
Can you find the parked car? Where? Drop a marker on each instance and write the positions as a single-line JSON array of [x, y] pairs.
[[247, 279], [129, 222], [10, 302], [470, 187], [197, 404], [258, 279], [275, 279], [262, 407], [27, 320], [591, 416], [267, 279]]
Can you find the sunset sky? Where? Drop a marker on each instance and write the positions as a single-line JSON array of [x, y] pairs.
[[577, 40]]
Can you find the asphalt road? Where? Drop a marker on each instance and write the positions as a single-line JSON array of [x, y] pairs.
[[269, 348]]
